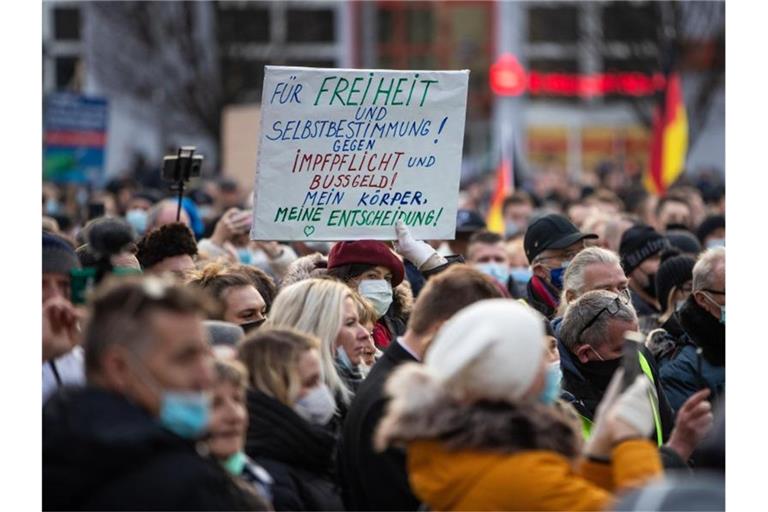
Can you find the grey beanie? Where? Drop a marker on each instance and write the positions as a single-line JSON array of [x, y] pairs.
[[58, 255], [224, 333]]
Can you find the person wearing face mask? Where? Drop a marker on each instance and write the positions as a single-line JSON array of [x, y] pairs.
[[592, 340], [711, 231], [377, 273], [486, 253], [149, 374], [227, 426], [640, 251], [238, 299], [702, 317], [289, 405], [325, 308], [550, 243], [484, 431], [379, 481]]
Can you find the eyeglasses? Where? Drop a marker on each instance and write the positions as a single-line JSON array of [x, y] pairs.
[[612, 308], [716, 292], [567, 256]]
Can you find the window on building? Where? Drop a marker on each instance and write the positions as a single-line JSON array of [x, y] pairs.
[[311, 25], [630, 21], [66, 23], [66, 68], [243, 25], [553, 24], [243, 78]]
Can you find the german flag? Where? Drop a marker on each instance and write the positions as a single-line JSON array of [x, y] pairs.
[[669, 143], [494, 221]]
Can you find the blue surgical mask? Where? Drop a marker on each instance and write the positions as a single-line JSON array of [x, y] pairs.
[[52, 206], [556, 275], [343, 358], [722, 308], [138, 219], [235, 463], [185, 413], [498, 271], [244, 255], [715, 242], [551, 391], [378, 292], [521, 274]]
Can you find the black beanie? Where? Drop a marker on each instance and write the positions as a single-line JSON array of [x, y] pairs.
[[639, 243], [684, 240], [58, 255], [709, 225], [673, 272]]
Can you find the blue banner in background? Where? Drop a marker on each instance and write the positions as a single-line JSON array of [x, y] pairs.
[[74, 138]]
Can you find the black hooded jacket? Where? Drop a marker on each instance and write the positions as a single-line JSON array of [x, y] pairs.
[[101, 452], [298, 455]]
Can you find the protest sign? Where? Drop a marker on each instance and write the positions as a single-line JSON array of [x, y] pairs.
[[346, 153]]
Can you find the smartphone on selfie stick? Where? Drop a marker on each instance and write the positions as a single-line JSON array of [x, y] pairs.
[[179, 169]]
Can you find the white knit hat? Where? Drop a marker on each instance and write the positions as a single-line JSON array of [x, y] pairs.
[[491, 350]]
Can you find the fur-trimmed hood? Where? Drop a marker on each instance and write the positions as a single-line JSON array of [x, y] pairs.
[[316, 265], [421, 409]]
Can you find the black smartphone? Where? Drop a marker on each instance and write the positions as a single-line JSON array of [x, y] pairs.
[[629, 359]]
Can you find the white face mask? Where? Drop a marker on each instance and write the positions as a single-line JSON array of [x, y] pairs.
[[378, 292], [317, 406]]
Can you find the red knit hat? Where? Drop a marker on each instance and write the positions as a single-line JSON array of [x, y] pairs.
[[371, 252]]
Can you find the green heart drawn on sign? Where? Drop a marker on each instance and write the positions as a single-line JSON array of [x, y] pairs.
[[308, 230]]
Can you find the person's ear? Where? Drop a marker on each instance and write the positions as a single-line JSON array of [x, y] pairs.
[[582, 352], [570, 296], [115, 370], [540, 271]]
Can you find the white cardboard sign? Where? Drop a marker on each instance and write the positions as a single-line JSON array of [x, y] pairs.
[[345, 153]]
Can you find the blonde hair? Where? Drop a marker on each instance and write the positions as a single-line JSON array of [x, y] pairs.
[[271, 357], [365, 311], [315, 306], [231, 372]]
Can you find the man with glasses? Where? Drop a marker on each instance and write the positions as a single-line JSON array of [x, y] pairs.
[[702, 316], [592, 333], [550, 243]]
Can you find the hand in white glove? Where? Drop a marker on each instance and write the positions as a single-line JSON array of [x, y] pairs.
[[416, 251], [632, 414]]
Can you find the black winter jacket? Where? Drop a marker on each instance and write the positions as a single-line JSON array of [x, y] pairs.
[[374, 481], [101, 452], [299, 456]]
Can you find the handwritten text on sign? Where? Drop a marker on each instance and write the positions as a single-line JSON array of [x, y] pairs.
[[347, 153]]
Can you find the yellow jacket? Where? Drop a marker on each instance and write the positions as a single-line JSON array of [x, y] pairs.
[[527, 480]]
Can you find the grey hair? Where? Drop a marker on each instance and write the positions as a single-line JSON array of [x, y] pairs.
[[155, 211], [704, 270], [573, 280], [581, 311]]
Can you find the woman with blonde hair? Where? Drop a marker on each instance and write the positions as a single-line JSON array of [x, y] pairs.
[[325, 308], [288, 405]]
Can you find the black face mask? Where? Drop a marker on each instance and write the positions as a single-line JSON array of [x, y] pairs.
[[599, 373], [710, 336], [252, 326], [650, 288]]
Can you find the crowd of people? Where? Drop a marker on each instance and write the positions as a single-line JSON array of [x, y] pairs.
[[186, 367]]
